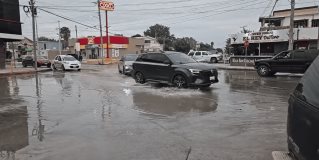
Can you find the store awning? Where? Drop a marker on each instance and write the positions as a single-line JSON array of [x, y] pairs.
[[11, 37]]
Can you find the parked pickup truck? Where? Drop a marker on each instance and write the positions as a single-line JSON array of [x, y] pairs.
[[205, 56], [296, 61]]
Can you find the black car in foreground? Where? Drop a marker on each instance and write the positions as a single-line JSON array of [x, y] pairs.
[[173, 68], [303, 118], [296, 61]]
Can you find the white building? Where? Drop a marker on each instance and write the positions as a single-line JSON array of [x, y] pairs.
[[272, 36], [151, 44]]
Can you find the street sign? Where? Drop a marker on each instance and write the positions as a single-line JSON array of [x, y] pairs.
[[246, 44], [106, 5], [77, 47]]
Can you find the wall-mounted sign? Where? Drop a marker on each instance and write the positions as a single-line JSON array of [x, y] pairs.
[[106, 5], [275, 36]]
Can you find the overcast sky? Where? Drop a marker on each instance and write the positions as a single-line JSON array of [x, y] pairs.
[[205, 20]]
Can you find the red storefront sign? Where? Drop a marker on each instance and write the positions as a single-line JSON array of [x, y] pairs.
[[97, 40]]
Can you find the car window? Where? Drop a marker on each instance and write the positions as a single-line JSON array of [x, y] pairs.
[[56, 58], [59, 58], [198, 54], [28, 58], [130, 57], [69, 58], [284, 55], [160, 58], [205, 54], [191, 54], [180, 58], [144, 58], [156, 58], [308, 88], [299, 55]]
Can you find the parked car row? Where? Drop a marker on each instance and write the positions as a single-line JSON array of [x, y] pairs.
[[63, 62], [41, 61]]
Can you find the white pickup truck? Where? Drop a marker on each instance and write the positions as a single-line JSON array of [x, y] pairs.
[[205, 56]]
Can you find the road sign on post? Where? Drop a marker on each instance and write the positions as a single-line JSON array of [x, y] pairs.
[[246, 44]]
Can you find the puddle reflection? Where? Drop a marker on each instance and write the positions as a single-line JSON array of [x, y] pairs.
[[13, 131], [168, 105]]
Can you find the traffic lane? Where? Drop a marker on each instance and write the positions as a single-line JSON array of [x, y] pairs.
[[99, 114]]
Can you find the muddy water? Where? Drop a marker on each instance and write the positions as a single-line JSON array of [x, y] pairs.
[[98, 114]]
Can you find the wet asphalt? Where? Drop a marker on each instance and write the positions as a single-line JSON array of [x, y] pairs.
[[98, 114]]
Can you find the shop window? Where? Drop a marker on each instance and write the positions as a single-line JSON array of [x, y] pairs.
[[301, 23], [147, 41], [315, 23]]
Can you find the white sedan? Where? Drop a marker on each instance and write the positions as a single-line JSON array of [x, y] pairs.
[[66, 62]]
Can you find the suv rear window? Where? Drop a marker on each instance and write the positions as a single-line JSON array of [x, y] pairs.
[[308, 88], [191, 54], [198, 54]]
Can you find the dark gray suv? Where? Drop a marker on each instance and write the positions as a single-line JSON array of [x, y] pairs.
[[173, 68]]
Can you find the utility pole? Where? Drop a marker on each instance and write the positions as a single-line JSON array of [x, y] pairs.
[[318, 34], [101, 33], [37, 34], [59, 38], [291, 30], [33, 33], [107, 36], [76, 40]]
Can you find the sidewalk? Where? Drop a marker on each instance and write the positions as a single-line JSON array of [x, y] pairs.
[[229, 67], [17, 71]]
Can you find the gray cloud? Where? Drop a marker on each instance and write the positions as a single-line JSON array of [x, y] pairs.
[[205, 20]]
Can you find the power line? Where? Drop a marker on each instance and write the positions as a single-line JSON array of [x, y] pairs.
[[66, 18], [202, 12], [69, 19]]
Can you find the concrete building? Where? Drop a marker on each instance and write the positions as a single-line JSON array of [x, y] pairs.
[[272, 36], [151, 44], [135, 46], [10, 26]]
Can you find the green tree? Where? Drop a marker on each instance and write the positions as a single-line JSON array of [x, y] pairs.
[[204, 46], [228, 46], [212, 45], [162, 34], [65, 34], [137, 35], [184, 44]]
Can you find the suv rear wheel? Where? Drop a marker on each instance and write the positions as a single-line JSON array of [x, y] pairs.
[[139, 78], [213, 60], [180, 81], [263, 70]]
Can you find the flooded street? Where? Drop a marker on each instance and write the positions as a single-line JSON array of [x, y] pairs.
[[100, 115]]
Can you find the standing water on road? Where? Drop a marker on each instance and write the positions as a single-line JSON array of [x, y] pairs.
[[98, 114]]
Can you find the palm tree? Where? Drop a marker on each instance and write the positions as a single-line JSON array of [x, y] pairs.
[[65, 34]]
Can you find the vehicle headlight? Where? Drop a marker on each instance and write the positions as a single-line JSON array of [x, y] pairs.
[[128, 67], [65, 62], [194, 71]]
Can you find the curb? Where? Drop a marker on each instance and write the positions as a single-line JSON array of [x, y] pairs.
[[24, 72], [240, 69]]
